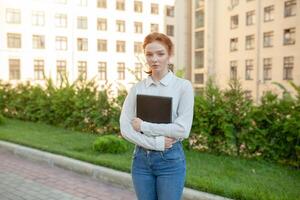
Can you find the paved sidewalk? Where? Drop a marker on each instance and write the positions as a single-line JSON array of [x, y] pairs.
[[23, 168], [23, 179]]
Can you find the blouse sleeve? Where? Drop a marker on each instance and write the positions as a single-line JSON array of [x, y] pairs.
[[127, 114]]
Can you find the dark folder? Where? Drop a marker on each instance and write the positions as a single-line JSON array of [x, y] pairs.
[[155, 109]]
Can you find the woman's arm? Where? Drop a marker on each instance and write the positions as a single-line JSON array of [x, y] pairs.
[[181, 126], [127, 131]]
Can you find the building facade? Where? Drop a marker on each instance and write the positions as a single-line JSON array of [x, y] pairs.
[[256, 42], [97, 39]]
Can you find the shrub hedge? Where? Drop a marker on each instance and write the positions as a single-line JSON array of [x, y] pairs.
[[110, 144], [225, 121]]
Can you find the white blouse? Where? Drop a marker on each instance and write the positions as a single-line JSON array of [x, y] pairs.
[[181, 91]]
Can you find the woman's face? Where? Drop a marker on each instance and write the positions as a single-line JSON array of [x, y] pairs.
[[157, 57]]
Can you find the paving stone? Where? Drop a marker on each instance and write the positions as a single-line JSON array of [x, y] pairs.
[[22, 179]]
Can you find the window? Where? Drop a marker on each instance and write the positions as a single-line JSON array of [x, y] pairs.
[[199, 78], [199, 59], [269, 13], [138, 27], [234, 44], [138, 47], [249, 42], [268, 39], [82, 44], [61, 43], [154, 9], [82, 22], [120, 25], [199, 19], [234, 21], [138, 6], [170, 11], [14, 40], [101, 3], [121, 71], [250, 18], [289, 36], [82, 69], [101, 24], [38, 18], [170, 30], [82, 3], [61, 20], [14, 69], [154, 28], [288, 65], [38, 41], [13, 16], [290, 8], [61, 70], [249, 69], [199, 39], [120, 5], [267, 65], [234, 3], [120, 46], [38, 69], [138, 71], [199, 4], [102, 74], [102, 45], [233, 70]]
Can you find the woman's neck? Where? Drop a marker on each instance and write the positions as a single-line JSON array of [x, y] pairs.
[[158, 76]]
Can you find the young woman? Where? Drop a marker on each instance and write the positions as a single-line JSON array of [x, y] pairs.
[[158, 166]]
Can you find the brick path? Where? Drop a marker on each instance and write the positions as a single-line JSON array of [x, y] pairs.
[[21, 179]]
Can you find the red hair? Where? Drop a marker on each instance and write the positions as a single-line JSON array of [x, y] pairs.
[[160, 37], [164, 39]]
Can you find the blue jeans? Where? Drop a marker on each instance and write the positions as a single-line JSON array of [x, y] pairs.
[[159, 175]]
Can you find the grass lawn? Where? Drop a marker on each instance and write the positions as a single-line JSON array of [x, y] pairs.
[[223, 175]]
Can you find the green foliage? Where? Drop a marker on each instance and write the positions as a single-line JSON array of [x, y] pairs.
[[228, 123], [1, 119], [78, 106], [277, 129], [238, 121], [225, 122], [110, 144], [180, 73], [209, 118]]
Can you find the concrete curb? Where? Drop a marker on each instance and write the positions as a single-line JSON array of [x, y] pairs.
[[102, 173]]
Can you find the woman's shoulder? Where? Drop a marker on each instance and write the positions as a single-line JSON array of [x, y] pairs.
[[183, 82], [138, 85]]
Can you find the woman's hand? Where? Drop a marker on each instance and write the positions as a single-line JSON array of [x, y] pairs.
[[169, 142], [136, 124]]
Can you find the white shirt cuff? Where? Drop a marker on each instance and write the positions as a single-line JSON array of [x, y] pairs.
[[160, 143]]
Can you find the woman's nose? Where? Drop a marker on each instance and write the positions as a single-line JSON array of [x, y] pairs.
[[154, 58]]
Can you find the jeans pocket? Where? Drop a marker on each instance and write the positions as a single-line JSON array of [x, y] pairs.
[[172, 155]]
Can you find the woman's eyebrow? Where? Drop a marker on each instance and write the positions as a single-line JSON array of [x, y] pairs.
[[158, 51]]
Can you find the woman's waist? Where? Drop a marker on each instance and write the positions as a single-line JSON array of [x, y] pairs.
[[175, 145]]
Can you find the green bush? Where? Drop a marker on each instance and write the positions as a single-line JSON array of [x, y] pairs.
[[228, 123], [225, 122], [110, 144], [1, 119], [78, 106]]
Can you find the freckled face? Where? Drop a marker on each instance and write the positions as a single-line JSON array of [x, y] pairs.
[[157, 57]]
